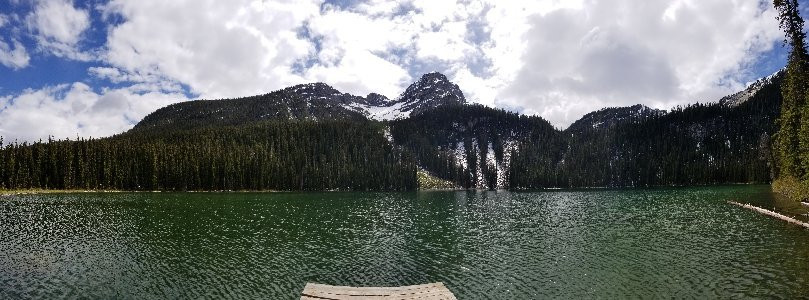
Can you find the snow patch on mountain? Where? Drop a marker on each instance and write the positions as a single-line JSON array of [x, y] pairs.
[[383, 113], [388, 136], [430, 91], [751, 90], [460, 155], [612, 116], [504, 166]]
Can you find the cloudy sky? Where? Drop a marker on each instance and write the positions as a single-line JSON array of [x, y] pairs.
[[95, 68]]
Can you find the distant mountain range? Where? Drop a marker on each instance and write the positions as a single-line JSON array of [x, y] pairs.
[[314, 137], [319, 101]]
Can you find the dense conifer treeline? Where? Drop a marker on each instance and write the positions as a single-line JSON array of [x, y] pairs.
[[290, 155], [791, 144]]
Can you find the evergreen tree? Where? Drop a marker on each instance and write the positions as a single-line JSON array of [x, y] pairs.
[[792, 138]]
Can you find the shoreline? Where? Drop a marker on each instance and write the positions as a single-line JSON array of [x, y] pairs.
[[39, 192], [8, 193]]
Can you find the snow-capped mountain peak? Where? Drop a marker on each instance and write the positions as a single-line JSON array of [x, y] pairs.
[[744, 95], [431, 90]]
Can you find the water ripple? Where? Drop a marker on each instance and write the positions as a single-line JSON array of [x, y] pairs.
[[656, 243]]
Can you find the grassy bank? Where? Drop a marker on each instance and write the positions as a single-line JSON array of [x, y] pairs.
[[792, 188], [430, 182]]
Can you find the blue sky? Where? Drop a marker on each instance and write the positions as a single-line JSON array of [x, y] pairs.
[[94, 68]]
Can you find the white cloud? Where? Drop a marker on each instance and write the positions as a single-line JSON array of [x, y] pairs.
[[112, 74], [218, 48], [620, 52], [71, 110], [559, 59], [250, 47], [379, 37], [556, 58], [353, 47], [448, 44], [13, 56], [13, 53], [361, 73], [58, 27]]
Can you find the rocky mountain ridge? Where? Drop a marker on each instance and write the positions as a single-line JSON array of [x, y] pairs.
[[311, 101], [742, 96]]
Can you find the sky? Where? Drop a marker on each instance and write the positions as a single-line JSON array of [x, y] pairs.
[[94, 68]]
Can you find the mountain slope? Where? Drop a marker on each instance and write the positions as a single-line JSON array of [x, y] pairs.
[[432, 90], [313, 101], [613, 116], [744, 95], [471, 145]]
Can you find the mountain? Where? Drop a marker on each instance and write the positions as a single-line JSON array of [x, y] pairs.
[[744, 95], [613, 116], [471, 145], [314, 137], [313, 101], [432, 90]]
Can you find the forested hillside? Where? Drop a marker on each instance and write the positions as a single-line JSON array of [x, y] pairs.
[[270, 155], [294, 103], [472, 145], [313, 137], [698, 144]]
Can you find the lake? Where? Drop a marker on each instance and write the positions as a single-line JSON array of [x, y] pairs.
[[640, 243]]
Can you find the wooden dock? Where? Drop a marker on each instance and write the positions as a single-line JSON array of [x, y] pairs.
[[430, 291]]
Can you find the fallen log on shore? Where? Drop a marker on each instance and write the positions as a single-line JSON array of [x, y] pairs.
[[771, 214]]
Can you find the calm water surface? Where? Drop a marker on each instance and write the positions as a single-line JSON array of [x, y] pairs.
[[655, 243]]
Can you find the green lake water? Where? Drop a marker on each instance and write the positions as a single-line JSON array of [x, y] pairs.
[[643, 243]]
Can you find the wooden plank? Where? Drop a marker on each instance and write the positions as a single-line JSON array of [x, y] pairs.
[[429, 297], [349, 290], [421, 294], [316, 286], [430, 291]]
